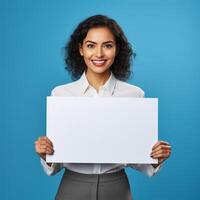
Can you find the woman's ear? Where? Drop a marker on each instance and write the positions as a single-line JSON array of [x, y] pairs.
[[80, 49]]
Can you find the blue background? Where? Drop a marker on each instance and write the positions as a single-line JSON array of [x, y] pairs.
[[165, 35]]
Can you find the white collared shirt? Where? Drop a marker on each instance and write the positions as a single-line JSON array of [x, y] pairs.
[[115, 88]]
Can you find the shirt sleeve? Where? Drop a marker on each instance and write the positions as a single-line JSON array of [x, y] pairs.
[[147, 169], [51, 170]]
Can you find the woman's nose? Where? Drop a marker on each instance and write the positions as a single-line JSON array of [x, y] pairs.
[[99, 52]]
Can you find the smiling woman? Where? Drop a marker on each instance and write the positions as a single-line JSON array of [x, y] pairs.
[[98, 50], [100, 54], [114, 39]]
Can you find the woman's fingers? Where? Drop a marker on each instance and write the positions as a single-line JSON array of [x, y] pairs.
[[42, 149], [161, 154], [46, 143], [45, 139], [161, 151], [160, 143], [44, 146], [161, 147], [46, 150]]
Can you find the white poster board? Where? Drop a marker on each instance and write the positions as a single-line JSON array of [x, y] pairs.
[[102, 130]]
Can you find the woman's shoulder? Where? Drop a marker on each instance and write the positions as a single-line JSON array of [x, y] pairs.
[[65, 89], [127, 89]]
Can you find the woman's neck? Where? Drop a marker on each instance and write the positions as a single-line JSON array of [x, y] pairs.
[[97, 80]]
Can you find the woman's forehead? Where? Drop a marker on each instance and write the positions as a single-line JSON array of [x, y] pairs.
[[99, 34]]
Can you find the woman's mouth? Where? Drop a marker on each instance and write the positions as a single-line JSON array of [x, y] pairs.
[[98, 63]]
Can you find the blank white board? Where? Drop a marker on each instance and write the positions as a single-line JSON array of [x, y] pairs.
[[102, 130]]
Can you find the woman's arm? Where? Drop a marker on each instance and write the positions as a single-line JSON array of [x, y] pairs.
[[43, 147], [161, 151]]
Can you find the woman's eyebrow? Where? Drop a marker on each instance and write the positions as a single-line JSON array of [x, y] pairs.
[[109, 41]]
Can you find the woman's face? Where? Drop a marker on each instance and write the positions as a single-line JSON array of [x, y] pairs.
[[98, 50]]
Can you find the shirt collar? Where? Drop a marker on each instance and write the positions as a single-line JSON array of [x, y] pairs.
[[109, 85]]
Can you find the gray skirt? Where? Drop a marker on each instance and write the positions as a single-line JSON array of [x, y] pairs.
[[77, 186]]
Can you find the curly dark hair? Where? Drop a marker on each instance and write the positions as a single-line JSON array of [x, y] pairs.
[[74, 61]]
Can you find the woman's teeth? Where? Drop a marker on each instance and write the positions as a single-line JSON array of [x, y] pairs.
[[98, 62]]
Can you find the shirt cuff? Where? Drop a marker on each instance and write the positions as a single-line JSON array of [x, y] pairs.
[[147, 169], [156, 169], [49, 170]]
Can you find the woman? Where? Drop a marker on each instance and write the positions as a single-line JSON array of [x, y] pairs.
[[99, 56]]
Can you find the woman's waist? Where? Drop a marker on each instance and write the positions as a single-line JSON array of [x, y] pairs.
[[106, 177], [94, 168]]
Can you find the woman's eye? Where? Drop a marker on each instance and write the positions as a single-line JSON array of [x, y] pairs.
[[108, 46], [90, 46]]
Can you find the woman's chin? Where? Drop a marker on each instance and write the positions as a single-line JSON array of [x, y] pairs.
[[99, 70]]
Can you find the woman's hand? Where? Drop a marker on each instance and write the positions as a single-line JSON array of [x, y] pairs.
[[161, 151], [43, 147]]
